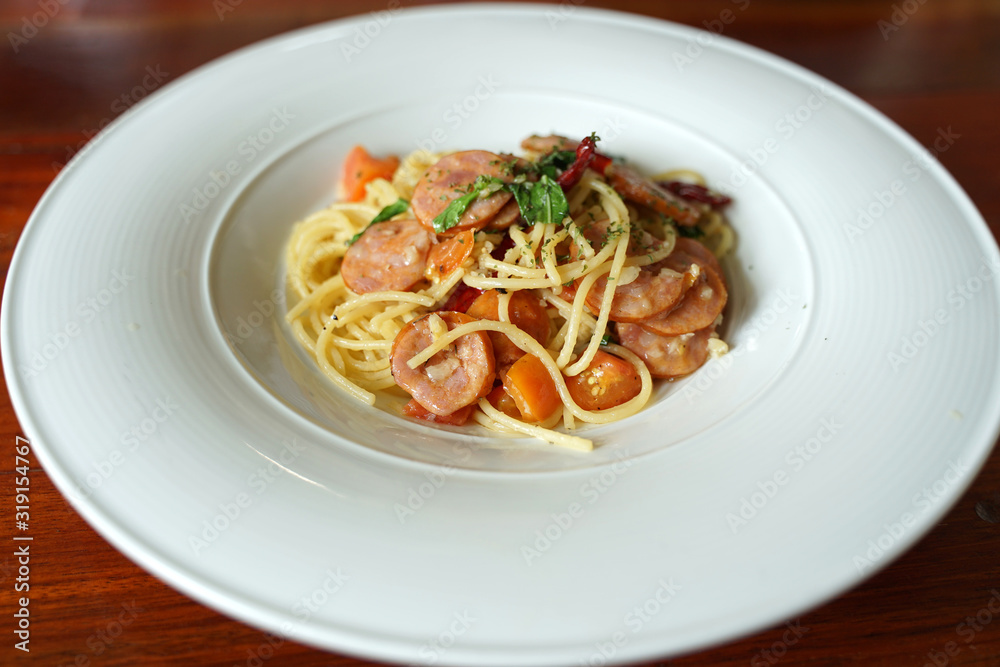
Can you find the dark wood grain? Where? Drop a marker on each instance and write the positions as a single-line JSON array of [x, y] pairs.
[[92, 606]]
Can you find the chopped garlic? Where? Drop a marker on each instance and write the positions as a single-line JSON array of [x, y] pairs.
[[436, 325], [668, 273], [410, 255], [629, 274], [442, 370], [717, 347]]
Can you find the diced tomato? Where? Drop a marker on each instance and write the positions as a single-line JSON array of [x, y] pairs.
[[360, 168], [569, 291], [503, 402], [534, 392], [461, 298], [526, 311], [447, 256], [607, 382], [456, 418], [506, 244]]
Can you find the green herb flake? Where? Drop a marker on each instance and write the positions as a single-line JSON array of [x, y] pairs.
[[552, 164], [690, 232]]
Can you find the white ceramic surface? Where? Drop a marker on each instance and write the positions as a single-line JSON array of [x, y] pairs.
[[148, 364]]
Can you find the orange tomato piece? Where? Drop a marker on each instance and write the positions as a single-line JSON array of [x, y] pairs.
[[360, 168], [503, 402], [526, 311], [607, 382], [456, 418], [534, 392], [447, 256]]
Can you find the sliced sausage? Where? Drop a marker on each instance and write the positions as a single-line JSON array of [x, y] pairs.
[[390, 255], [699, 308], [505, 217], [667, 356], [696, 253], [547, 144], [701, 304], [453, 378], [456, 418], [632, 185], [453, 176], [526, 311], [658, 287]]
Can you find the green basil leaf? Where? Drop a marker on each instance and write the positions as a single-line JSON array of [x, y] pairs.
[[548, 201], [522, 195], [450, 216], [559, 159], [390, 211], [540, 202]]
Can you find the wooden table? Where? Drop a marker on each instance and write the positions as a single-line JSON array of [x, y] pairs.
[[932, 66]]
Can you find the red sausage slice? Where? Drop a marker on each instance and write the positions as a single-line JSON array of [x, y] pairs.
[[667, 356], [703, 303], [658, 288], [456, 418], [547, 144], [696, 253], [390, 255], [699, 308], [505, 217], [453, 176], [632, 185], [453, 378]]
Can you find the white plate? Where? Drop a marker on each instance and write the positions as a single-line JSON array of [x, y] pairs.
[[147, 363]]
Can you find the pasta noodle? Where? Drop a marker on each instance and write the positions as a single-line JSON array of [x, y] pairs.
[[558, 287]]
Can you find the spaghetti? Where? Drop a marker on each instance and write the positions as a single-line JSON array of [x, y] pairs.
[[517, 293]]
